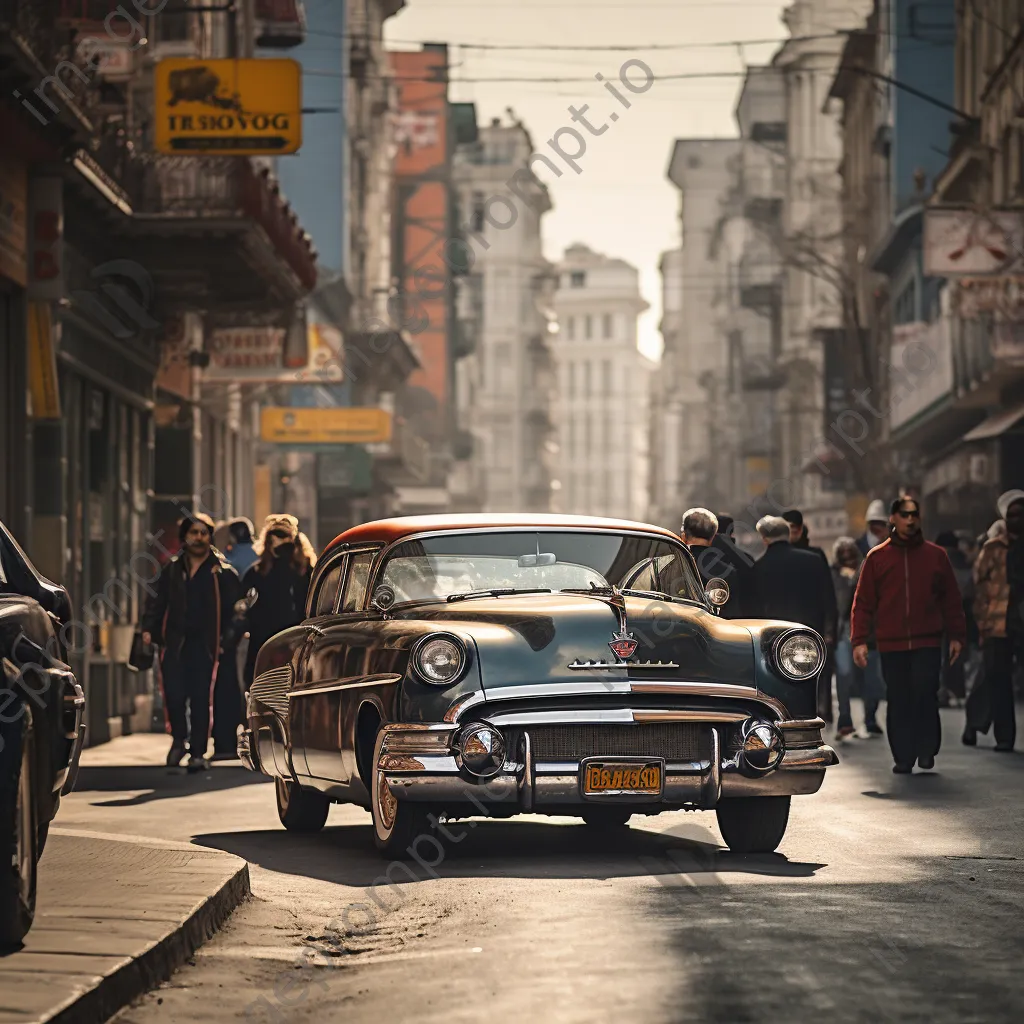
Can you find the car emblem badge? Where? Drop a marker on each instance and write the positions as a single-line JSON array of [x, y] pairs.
[[623, 645]]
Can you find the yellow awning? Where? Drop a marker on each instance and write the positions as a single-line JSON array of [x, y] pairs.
[[42, 363]]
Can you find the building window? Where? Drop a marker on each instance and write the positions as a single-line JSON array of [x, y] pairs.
[[571, 374], [606, 322], [606, 373], [478, 211], [570, 328], [577, 279], [586, 380], [588, 327]]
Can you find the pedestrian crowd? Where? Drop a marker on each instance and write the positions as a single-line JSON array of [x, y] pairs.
[[215, 602], [915, 623]]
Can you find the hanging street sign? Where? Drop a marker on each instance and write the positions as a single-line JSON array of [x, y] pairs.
[[300, 426], [247, 107]]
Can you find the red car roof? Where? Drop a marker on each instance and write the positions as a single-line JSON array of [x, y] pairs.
[[385, 531]]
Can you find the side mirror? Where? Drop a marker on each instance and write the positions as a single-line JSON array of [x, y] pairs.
[[717, 592], [383, 598]]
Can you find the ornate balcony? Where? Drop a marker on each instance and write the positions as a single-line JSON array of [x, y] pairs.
[[253, 254]]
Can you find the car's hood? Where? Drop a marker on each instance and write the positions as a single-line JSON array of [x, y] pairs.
[[534, 639]]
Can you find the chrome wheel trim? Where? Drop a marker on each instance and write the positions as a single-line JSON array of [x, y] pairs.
[[282, 795], [24, 852], [384, 804]]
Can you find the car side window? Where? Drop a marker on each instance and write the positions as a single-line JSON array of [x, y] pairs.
[[358, 577], [327, 594]]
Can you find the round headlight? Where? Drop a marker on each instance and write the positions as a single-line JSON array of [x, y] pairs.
[[800, 656], [440, 660]]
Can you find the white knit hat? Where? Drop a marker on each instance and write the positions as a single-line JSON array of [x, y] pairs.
[[1008, 498], [877, 512]]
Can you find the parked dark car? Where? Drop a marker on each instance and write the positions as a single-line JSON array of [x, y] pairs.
[[42, 711], [560, 665]]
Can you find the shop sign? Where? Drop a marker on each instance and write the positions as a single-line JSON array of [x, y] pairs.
[[299, 426], [326, 354], [416, 130], [46, 239], [347, 468], [245, 353], [963, 243], [107, 57], [1003, 296], [948, 474], [13, 217], [250, 107], [920, 368]]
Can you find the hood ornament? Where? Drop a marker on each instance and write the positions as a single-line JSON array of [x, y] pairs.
[[623, 644]]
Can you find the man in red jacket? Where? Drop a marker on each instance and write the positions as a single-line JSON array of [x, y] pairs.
[[908, 594]]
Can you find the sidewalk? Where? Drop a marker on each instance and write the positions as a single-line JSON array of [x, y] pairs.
[[115, 916]]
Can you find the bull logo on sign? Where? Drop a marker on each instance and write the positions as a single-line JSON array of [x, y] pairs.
[[200, 85]]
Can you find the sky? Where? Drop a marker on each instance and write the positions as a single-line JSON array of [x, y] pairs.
[[621, 202]]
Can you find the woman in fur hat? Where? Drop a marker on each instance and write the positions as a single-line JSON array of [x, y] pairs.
[[280, 577]]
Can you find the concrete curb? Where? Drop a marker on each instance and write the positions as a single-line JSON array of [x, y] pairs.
[[140, 974]]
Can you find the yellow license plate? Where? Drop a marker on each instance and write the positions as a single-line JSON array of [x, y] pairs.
[[622, 777]]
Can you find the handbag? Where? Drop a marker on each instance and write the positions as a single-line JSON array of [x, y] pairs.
[[142, 654]]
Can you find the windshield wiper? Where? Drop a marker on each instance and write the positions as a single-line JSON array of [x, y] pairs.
[[497, 592]]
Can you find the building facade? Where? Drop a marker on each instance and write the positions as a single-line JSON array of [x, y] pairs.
[[505, 381], [603, 414], [118, 265]]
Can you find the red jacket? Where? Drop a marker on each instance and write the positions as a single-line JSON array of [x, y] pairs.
[[909, 594]]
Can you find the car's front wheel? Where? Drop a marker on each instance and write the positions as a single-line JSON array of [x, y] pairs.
[[19, 827], [753, 824], [396, 823], [300, 810]]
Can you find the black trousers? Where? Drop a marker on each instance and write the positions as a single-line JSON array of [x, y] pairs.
[[227, 705], [991, 700], [912, 708], [187, 678]]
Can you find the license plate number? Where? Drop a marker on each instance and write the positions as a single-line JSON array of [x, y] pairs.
[[618, 777]]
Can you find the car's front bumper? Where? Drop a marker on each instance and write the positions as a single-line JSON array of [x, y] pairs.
[[419, 763]]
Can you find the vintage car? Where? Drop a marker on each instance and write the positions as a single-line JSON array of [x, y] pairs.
[[42, 729], [490, 665]]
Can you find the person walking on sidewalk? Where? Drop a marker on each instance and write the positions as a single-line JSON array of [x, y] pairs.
[[187, 615], [281, 580], [991, 700], [907, 593]]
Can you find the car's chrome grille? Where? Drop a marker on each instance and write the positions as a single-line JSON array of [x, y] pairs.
[[683, 742], [271, 688]]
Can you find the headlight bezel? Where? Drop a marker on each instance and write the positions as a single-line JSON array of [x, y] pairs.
[[415, 656], [792, 634]]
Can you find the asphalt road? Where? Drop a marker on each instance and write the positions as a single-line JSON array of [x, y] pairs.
[[892, 898]]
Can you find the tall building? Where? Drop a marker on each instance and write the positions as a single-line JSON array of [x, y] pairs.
[[694, 366], [506, 381], [604, 387]]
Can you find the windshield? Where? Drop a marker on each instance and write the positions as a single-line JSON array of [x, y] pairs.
[[438, 567]]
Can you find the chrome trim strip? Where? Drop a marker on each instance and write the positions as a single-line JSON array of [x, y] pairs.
[[598, 716], [711, 788], [349, 683], [729, 690], [648, 716], [583, 666], [526, 785], [808, 723]]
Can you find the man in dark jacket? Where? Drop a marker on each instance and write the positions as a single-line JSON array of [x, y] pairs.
[[187, 615], [798, 535], [736, 568], [908, 594], [790, 584]]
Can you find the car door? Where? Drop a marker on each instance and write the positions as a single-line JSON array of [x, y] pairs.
[[306, 715], [329, 660]]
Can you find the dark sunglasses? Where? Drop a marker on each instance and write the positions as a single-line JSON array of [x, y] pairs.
[[282, 534], [912, 514]]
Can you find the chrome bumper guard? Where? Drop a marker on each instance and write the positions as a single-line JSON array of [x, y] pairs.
[[420, 764]]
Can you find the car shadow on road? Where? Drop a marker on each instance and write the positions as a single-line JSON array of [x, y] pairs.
[[501, 849], [160, 783]]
